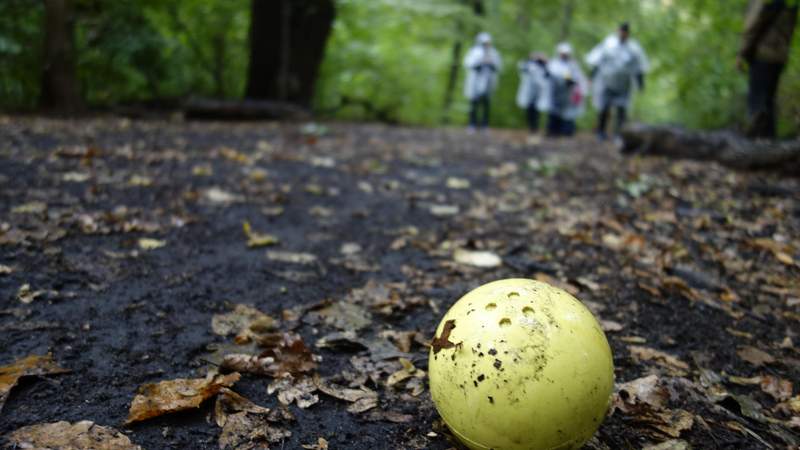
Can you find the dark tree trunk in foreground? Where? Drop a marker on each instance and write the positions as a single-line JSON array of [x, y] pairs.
[[287, 44], [725, 147], [60, 89]]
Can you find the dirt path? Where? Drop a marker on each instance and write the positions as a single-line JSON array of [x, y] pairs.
[[129, 238]]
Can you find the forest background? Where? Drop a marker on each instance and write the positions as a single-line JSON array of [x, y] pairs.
[[390, 60]]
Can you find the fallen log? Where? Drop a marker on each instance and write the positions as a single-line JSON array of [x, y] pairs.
[[247, 109], [725, 147]]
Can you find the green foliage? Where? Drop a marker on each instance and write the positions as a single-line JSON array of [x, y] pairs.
[[19, 54]]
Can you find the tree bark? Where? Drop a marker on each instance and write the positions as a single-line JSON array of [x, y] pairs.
[[60, 88], [455, 64], [727, 148], [566, 21], [287, 45]]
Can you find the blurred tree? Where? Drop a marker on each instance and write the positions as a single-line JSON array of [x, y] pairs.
[[60, 88], [287, 44]]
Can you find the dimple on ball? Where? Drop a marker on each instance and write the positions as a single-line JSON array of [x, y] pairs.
[[519, 364]]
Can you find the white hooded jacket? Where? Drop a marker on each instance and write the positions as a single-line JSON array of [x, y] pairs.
[[483, 65], [533, 85], [618, 63], [561, 70]]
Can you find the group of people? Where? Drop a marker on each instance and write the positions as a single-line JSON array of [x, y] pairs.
[[557, 87]]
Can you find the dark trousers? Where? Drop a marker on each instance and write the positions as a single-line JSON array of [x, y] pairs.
[[480, 103], [763, 85], [558, 126], [602, 119], [532, 114]]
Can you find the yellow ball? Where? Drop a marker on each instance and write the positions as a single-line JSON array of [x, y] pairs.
[[519, 364]]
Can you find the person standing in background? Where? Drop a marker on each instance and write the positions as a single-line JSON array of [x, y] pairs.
[[764, 52], [533, 88], [483, 64], [615, 63], [567, 90]]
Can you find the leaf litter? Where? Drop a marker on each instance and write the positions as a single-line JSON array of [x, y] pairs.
[[684, 277]]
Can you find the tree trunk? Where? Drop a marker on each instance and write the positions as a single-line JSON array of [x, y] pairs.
[[60, 89], [724, 147], [455, 64], [287, 44], [218, 46], [566, 21]]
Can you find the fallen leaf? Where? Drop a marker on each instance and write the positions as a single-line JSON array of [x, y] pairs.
[[342, 315], [673, 423], [151, 244], [444, 210], [70, 436], [321, 444], [255, 239], [140, 180], [641, 391], [5, 270], [285, 353], [27, 295], [673, 364], [362, 399], [407, 371], [755, 356], [244, 321], [245, 425], [778, 388], [610, 326], [155, 399], [457, 183], [220, 196], [672, 444], [291, 257], [30, 208], [481, 259], [442, 341], [33, 365], [389, 416], [294, 390]]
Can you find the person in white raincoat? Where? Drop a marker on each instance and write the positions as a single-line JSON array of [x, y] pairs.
[[483, 64], [568, 89], [533, 88], [616, 63]]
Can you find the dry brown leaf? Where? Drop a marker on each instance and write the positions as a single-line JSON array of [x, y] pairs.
[[155, 399], [245, 425], [755, 356], [285, 353], [778, 388], [404, 340], [673, 423], [672, 444], [673, 364], [244, 321], [298, 390], [633, 394], [389, 416], [32, 365], [362, 399], [407, 371], [610, 326], [68, 436], [321, 444], [342, 315]]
